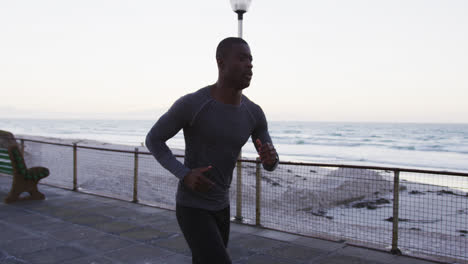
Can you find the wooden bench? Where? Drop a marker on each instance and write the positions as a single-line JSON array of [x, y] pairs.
[[24, 179]]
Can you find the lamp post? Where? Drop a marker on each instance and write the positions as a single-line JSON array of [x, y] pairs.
[[240, 7]]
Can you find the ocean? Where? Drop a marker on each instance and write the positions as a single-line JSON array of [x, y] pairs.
[[404, 145]]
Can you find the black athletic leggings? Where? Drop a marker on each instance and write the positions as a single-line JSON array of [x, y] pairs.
[[206, 232]]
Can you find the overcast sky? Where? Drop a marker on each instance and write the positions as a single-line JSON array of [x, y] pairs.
[[387, 61]]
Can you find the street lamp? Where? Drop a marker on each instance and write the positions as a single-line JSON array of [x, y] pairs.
[[240, 7]]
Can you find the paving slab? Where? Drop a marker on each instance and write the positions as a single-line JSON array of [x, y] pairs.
[[139, 253], [30, 203], [52, 226], [22, 246], [145, 234], [257, 244], [238, 253], [245, 229], [175, 243], [91, 260], [9, 231], [176, 259], [53, 255], [65, 212], [265, 259], [273, 234], [160, 219], [12, 260], [109, 210], [343, 259], [90, 220], [297, 253], [315, 243], [102, 243], [69, 203], [366, 254], [9, 211], [75, 232], [143, 209], [31, 220], [116, 227], [171, 226]]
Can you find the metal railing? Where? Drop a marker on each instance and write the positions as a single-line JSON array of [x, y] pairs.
[[421, 213]]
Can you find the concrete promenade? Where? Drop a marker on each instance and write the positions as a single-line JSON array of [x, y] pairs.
[[70, 227]]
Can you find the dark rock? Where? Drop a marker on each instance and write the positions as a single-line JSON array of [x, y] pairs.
[[321, 213], [463, 231], [423, 221], [446, 192], [382, 201], [390, 219], [416, 229], [371, 205], [442, 192], [416, 192], [313, 171], [360, 205], [270, 181], [350, 200]]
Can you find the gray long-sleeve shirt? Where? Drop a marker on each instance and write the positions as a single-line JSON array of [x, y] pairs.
[[214, 135]]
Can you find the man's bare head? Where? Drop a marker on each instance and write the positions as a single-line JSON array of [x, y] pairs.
[[234, 61], [225, 46]]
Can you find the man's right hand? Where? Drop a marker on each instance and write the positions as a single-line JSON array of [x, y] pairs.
[[197, 181]]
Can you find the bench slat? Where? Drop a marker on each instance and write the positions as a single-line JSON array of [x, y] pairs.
[[6, 170], [5, 157], [6, 163], [3, 151], [6, 167]]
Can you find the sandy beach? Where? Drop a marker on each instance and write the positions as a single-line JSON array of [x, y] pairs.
[[339, 204]]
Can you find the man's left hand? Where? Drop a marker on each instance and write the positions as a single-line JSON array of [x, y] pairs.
[[267, 153]]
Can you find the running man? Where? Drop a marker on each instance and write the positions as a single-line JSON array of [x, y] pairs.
[[217, 121]]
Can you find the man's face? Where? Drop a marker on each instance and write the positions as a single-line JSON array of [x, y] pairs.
[[238, 66]]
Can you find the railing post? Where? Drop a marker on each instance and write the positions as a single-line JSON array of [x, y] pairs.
[[396, 205], [135, 178], [22, 147], [75, 171], [238, 216], [258, 192]]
